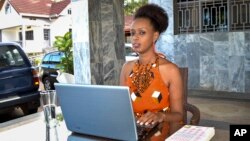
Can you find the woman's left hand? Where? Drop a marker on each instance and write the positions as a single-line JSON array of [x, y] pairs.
[[151, 118]]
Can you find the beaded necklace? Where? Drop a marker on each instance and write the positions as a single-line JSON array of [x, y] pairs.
[[142, 76]]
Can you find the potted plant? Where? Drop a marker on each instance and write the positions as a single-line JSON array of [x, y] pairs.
[[64, 45]]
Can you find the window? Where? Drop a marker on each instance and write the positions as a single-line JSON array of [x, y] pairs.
[[69, 11], [46, 34], [214, 16], [10, 56], [7, 9], [187, 16], [240, 15], [55, 58], [28, 34], [211, 15]]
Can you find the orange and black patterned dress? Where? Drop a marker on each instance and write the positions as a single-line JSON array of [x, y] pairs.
[[149, 92]]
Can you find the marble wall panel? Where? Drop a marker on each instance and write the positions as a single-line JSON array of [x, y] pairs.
[[94, 10], [247, 37], [82, 71], [118, 13], [165, 46], [221, 62], [110, 74], [180, 51], [207, 36], [95, 41], [221, 36], [107, 8], [108, 39], [181, 60], [207, 46], [194, 78], [247, 81], [237, 43], [101, 41], [81, 44], [247, 49], [193, 38], [247, 63], [221, 48], [180, 47], [236, 74], [179, 39], [97, 73], [207, 72], [221, 80], [193, 55], [119, 42]]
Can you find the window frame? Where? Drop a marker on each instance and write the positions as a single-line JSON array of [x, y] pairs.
[[219, 6], [46, 34]]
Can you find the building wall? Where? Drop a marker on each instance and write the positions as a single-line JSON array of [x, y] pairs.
[[60, 26], [9, 20], [11, 23], [9, 35], [217, 61]]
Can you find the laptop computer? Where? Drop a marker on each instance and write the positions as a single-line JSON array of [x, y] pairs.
[[98, 110]]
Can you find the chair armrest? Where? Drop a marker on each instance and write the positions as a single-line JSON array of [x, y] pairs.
[[195, 119]]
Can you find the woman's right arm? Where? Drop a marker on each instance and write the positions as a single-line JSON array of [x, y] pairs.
[[122, 76], [126, 69]]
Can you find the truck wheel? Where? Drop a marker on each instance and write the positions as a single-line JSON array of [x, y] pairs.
[[27, 111]]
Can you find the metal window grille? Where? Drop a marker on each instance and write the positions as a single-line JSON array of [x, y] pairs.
[[214, 16], [29, 35], [240, 15], [192, 16], [188, 16], [46, 34]]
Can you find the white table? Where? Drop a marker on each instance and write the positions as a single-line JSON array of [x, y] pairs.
[[30, 128]]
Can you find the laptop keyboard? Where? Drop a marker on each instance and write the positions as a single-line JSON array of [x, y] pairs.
[[144, 130]]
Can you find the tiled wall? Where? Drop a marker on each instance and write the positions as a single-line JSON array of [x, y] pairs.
[[216, 61], [103, 48]]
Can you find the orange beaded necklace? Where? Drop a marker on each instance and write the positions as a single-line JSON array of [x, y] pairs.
[[142, 76]]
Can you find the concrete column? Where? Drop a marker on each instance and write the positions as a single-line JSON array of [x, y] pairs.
[[23, 37], [98, 41]]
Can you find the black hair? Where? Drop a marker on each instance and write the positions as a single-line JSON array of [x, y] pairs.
[[156, 14]]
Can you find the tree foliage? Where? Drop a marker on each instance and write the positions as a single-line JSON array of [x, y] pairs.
[[130, 6], [64, 44]]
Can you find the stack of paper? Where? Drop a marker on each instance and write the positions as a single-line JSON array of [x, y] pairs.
[[192, 133]]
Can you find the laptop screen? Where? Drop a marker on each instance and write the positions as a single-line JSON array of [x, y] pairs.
[[98, 110]]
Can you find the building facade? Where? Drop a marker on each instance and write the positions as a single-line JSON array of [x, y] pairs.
[[34, 24], [212, 39]]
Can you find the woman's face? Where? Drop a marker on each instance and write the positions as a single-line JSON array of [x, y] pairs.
[[143, 35]]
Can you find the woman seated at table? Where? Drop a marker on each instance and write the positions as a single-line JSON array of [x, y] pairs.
[[155, 83]]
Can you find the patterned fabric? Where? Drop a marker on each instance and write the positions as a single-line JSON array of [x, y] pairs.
[[154, 98]]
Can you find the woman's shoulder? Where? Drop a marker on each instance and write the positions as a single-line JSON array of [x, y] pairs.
[[168, 66], [128, 65]]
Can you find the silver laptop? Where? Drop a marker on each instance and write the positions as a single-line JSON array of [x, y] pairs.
[[98, 110]]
